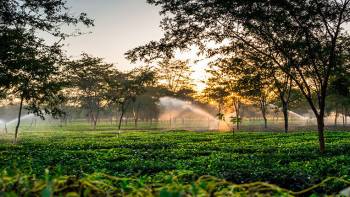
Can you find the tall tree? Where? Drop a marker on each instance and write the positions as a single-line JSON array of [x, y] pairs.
[[125, 88], [255, 84], [217, 93], [339, 94], [145, 106], [29, 67], [228, 82], [303, 38], [89, 78], [33, 73], [248, 63]]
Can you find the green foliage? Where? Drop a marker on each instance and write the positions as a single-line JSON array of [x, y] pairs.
[[305, 41], [24, 56], [339, 92], [146, 105], [30, 68], [125, 87], [128, 86], [89, 79], [99, 184], [30, 71], [48, 16], [175, 75], [288, 160]]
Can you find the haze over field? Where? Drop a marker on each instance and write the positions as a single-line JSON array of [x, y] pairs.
[[174, 98]]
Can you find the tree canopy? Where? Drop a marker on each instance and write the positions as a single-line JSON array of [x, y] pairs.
[[303, 39], [30, 68]]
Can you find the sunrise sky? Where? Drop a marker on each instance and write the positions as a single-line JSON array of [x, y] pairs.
[[121, 25]]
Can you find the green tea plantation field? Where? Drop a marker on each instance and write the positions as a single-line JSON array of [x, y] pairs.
[[172, 163]]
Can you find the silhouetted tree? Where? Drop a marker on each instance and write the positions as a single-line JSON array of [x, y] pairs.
[[256, 86], [89, 78], [33, 73], [339, 94], [29, 67], [47, 16], [127, 86], [303, 38], [227, 81], [217, 93], [280, 83], [145, 106]]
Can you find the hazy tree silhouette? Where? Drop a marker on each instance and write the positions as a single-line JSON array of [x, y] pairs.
[[89, 78], [126, 87]]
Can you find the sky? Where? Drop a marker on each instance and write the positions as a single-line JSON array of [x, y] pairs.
[[121, 25]]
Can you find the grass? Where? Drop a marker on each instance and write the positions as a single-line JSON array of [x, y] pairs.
[[291, 161]]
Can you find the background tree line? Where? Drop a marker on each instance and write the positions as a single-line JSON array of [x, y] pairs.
[[40, 78], [302, 43], [265, 52]]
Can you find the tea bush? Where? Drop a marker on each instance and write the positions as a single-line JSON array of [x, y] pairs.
[[291, 161]]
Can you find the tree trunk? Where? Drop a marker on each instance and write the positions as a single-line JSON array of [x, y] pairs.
[[239, 119], [94, 119], [183, 123], [237, 106], [285, 116], [19, 118], [121, 118], [343, 116], [320, 126], [263, 112], [31, 123], [336, 117], [320, 119], [136, 114], [265, 122]]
